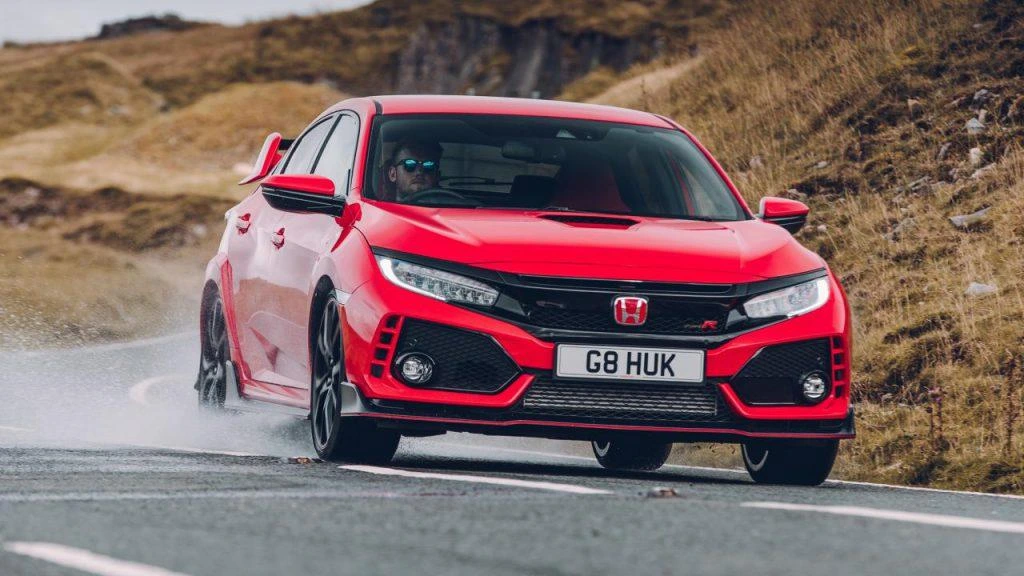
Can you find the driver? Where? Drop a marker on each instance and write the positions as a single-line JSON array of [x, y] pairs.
[[415, 165]]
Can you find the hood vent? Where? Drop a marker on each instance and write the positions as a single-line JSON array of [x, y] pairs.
[[590, 220]]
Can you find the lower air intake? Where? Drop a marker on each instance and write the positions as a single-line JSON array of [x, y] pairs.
[[624, 401]]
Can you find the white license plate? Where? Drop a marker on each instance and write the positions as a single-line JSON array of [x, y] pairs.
[[629, 363]]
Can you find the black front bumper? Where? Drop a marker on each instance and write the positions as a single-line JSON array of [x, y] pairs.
[[586, 424]]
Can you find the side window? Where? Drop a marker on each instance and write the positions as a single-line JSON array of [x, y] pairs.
[[303, 155], [336, 160]]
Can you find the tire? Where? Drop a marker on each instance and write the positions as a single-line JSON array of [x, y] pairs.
[[211, 384], [338, 439], [631, 454], [792, 464]]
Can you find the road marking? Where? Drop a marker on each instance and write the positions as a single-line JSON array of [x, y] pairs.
[[199, 450], [22, 498], [925, 489], [137, 393], [739, 471], [85, 560], [898, 516], [113, 346], [539, 485], [14, 429]]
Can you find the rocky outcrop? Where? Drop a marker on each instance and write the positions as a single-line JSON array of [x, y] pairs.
[[132, 26], [536, 59]]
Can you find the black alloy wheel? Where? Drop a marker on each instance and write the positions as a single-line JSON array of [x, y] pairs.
[[212, 382], [792, 464], [336, 438], [631, 454]]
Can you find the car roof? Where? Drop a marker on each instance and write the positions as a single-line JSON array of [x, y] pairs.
[[438, 104]]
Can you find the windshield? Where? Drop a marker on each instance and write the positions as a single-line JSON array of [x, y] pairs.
[[480, 161]]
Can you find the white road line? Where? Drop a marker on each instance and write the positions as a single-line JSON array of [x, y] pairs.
[[924, 489], [85, 560], [739, 471], [113, 346], [570, 488], [22, 498], [198, 450], [137, 393], [898, 516], [14, 429]]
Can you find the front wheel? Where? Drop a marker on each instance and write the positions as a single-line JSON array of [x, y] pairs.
[[793, 464], [631, 454], [336, 438]]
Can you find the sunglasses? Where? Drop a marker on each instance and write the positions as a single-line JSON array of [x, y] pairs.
[[410, 165]]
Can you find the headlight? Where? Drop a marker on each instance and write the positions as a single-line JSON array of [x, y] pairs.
[[789, 302], [437, 283]]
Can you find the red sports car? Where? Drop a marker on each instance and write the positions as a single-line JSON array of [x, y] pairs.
[[411, 265]]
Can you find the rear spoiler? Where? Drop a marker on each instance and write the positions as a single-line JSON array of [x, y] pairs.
[[273, 150]]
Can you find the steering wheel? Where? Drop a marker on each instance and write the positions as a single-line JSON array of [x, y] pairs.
[[440, 193]]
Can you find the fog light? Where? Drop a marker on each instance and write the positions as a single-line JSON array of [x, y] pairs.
[[415, 368], [814, 387]]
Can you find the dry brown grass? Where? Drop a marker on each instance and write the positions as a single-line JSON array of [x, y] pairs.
[[799, 83], [227, 127], [194, 149]]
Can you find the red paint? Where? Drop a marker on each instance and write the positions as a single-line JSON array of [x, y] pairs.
[[308, 183], [265, 161], [782, 208], [268, 275]]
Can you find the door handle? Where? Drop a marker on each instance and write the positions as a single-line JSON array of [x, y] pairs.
[[243, 222], [277, 238]]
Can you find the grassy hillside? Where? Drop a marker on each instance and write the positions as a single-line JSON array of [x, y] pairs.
[[862, 110]]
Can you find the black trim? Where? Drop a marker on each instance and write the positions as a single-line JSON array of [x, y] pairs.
[[443, 378], [377, 107], [772, 376], [302, 202], [355, 405], [792, 224]]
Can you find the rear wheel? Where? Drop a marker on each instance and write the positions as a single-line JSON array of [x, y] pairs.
[[336, 438], [793, 464], [212, 382], [631, 454]]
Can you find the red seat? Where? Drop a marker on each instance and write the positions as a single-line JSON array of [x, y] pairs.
[[588, 188]]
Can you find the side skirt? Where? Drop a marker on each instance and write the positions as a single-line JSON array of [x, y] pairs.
[[234, 401]]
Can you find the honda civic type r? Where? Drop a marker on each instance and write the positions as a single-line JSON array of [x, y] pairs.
[[412, 265]]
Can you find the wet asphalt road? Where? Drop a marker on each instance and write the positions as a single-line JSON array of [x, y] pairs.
[[103, 453]]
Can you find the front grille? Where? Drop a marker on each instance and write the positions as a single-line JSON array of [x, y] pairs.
[[772, 375], [593, 312], [465, 361], [627, 400]]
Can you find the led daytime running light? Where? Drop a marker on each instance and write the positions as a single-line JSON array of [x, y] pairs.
[[437, 284], [789, 302]]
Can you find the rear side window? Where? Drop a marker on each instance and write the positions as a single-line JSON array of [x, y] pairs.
[[336, 160], [305, 151]]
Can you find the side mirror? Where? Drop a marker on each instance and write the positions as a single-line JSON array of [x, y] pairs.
[[273, 150], [789, 214], [302, 193]]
